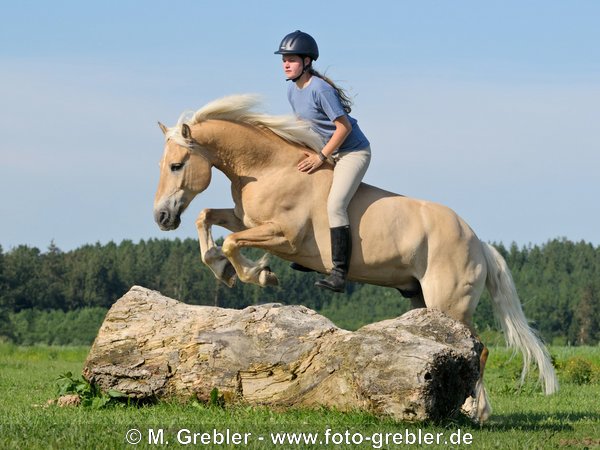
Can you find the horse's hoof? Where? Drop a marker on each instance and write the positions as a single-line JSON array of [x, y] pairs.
[[267, 278], [229, 274], [476, 412], [229, 282]]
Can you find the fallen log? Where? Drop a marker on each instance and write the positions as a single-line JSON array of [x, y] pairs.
[[420, 366]]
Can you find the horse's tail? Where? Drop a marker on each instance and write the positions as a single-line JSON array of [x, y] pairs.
[[507, 308]]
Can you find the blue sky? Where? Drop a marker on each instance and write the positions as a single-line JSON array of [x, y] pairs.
[[491, 108]]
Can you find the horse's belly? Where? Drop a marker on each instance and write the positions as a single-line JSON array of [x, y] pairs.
[[389, 275]]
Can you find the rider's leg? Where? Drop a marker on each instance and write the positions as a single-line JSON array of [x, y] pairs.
[[341, 249], [347, 175]]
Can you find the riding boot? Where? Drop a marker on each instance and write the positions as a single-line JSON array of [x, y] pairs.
[[341, 249]]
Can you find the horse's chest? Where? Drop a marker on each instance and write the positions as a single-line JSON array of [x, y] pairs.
[[250, 222], [262, 202], [249, 215]]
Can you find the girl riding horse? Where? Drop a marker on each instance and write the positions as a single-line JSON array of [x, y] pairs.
[[316, 99]]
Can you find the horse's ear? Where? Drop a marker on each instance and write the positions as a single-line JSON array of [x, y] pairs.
[[186, 132], [163, 128]]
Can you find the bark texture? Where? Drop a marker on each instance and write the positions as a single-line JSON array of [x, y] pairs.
[[420, 366]]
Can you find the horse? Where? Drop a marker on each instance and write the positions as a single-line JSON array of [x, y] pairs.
[[423, 249]]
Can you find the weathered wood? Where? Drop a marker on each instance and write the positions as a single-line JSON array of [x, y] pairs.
[[420, 366]]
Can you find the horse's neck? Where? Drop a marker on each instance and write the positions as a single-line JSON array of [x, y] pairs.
[[235, 149]]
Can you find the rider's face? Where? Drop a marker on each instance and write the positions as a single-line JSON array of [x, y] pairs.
[[292, 66]]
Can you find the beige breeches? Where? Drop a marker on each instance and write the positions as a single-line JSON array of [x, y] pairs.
[[349, 171]]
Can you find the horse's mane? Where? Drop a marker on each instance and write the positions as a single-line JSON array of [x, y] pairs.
[[239, 108]]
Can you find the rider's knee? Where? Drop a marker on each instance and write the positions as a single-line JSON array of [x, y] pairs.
[[337, 213]]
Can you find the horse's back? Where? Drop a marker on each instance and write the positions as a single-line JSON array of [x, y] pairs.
[[398, 236], [383, 212]]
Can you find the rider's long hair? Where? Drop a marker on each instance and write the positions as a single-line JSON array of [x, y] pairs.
[[344, 98]]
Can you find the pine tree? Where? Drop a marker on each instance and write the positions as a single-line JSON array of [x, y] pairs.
[[586, 320]]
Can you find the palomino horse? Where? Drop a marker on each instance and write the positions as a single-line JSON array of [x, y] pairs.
[[420, 248]]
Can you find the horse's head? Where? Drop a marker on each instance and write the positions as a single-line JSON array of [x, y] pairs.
[[184, 173]]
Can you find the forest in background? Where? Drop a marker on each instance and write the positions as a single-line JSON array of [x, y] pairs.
[[60, 298]]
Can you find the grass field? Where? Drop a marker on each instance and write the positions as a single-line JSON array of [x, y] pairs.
[[522, 418]]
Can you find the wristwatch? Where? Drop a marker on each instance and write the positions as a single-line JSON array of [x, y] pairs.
[[322, 157]]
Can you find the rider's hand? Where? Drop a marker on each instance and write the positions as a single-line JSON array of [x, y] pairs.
[[311, 163]]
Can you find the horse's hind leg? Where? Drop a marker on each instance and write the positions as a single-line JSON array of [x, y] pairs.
[[484, 409], [477, 406], [457, 295]]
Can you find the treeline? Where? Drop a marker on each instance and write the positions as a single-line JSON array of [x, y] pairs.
[[61, 298]]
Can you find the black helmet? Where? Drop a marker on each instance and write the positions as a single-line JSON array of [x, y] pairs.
[[299, 43]]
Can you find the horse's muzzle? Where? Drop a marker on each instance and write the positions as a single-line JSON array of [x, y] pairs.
[[165, 220]]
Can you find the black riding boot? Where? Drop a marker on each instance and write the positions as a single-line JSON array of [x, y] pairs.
[[341, 249]]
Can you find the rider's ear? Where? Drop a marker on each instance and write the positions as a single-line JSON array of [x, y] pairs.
[[186, 132], [163, 128]]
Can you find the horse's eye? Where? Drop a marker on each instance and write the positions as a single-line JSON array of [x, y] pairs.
[[176, 166]]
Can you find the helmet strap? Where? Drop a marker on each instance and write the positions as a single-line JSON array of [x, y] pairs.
[[305, 67]]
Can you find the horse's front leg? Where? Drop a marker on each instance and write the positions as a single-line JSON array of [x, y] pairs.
[[211, 254], [266, 237]]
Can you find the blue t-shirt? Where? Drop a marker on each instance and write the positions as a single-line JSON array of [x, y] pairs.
[[319, 104]]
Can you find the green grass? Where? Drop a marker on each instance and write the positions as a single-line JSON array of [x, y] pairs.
[[522, 418]]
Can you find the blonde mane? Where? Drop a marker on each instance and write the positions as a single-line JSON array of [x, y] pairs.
[[239, 108]]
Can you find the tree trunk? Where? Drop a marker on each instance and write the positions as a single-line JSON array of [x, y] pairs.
[[420, 366]]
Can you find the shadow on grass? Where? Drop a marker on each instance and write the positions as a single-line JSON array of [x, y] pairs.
[[558, 421], [527, 421]]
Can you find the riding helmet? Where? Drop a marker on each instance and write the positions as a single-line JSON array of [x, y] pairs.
[[299, 43]]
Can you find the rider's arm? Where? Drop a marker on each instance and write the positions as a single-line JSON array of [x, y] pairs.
[[312, 162], [342, 130]]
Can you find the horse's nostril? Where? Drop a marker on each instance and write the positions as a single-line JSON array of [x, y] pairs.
[[163, 217]]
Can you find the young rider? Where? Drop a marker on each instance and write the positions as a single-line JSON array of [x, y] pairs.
[[315, 98]]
